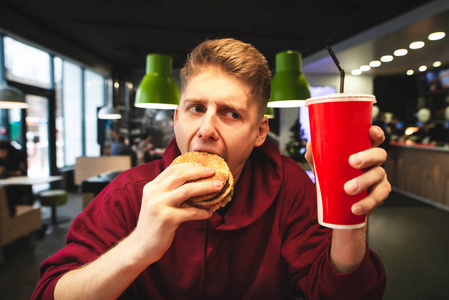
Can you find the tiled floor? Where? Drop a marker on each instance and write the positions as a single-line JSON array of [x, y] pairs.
[[411, 238]]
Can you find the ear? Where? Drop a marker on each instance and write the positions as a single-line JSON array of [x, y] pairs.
[[175, 117], [262, 132]]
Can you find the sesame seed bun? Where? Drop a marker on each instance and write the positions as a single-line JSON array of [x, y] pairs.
[[222, 173]]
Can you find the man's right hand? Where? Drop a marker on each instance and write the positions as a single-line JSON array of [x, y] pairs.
[[162, 210]]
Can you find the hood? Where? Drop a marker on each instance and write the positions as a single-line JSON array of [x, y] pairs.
[[255, 191]]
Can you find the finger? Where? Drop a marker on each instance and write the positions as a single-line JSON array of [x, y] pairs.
[[190, 213], [377, 135], [177, 175], [374, 199], [193, 189], [368, 179], [368, 158], [309, 156]]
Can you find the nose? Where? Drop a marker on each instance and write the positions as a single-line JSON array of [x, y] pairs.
[[208, 128]]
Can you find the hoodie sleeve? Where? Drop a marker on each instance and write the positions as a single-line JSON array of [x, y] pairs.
[[103, 224], [306, 248]]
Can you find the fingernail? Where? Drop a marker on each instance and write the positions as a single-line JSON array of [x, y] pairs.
[[356, 209], [377, 130], [351, 187], [210, 169], [355, 160], [218, 184]]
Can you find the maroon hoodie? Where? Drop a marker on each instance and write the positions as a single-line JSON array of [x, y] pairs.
[[268, 245]]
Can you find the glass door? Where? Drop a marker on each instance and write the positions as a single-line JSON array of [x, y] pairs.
[[37, 145], [33, 136]]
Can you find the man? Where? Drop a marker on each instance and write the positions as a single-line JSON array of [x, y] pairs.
[[139, 239], [121, 147], [12, 161]]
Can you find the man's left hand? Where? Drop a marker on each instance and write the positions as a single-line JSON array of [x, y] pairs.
[[374, 179]]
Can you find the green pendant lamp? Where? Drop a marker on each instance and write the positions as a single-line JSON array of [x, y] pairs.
[[289, 87], [10, 97], [158, 88]]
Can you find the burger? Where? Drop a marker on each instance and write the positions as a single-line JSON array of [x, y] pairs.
[[222, 173]]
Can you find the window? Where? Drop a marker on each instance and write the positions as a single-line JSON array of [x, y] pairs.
[[94, 98], [72, 119], [26, 64], [79, 92], [59, 122]]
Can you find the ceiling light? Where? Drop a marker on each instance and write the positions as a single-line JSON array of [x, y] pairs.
[[10, 97], [375, 63], [365, 68], [437, 64], [289, 87], [400, 52], [356, 72], [109, 113], [116, 84], [158, 88], [417, 45], [386, 58], [410, 72], [422, 68], [437, 36]]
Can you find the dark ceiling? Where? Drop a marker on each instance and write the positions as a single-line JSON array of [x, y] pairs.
[[123, 32]]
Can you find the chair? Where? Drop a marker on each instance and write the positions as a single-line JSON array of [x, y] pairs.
[[86, 167], [27, 219], [53, 198]]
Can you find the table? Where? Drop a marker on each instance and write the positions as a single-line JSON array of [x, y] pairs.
[[25, 180], [19, 189], [92, 186]]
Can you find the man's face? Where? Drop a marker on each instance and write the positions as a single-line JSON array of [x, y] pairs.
[[216, 114]]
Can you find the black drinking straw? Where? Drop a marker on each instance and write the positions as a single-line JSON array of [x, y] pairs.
[[342, 72]]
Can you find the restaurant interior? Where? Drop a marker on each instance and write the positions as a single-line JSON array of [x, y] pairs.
[[74, 100]]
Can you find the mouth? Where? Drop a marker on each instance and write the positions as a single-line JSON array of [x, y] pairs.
[[206, 151]]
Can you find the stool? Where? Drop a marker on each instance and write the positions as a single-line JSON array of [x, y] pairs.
[[53, 198]]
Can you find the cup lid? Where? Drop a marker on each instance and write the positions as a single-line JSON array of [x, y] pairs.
[[341, 97]]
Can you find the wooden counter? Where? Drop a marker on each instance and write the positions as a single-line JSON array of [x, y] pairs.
[[421, 172]]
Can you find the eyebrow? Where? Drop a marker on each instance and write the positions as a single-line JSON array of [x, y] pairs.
[[231, 106]]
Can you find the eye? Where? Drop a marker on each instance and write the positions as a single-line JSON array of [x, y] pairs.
[[196, 109], [232, 115]]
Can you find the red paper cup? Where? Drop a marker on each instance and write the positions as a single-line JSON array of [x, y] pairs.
[[339, 125]]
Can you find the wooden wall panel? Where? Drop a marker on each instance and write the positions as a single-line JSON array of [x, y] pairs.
[[423, 172]]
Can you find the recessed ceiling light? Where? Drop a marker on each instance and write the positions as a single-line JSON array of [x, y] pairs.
[[375, 63], [400, 52], [417, 45], [422, 68], [410, 72], [356, 72], [437, 36], [437, 64], [365, 68], [386, 58]]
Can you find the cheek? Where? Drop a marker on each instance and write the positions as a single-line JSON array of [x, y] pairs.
[[180, 137], [239, 146], [184, 134]]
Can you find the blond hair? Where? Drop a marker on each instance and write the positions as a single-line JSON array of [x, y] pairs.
[[236, 58]]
